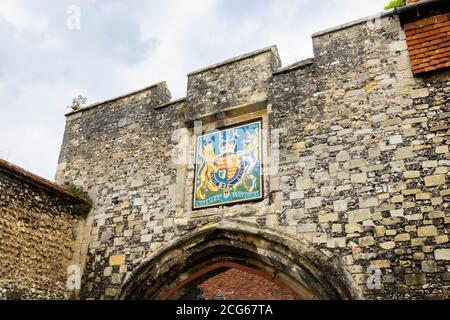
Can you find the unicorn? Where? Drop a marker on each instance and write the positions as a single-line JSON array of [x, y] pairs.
[[207, 168], [250, 155]]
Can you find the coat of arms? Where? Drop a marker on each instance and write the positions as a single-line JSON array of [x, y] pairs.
[[228, 166]]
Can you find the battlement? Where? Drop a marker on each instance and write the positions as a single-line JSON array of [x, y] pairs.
[[273, 61], [338, 166]]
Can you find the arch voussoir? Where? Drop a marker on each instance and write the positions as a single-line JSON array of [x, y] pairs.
[[308, 273]]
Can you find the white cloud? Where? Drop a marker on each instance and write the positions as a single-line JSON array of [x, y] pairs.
[[17, 13], [125, 45]]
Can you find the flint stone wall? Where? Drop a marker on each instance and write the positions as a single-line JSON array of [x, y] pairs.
[[362, 173], [40, 237]]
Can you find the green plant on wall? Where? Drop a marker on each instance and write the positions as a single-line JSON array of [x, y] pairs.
[[81, 210], [395, 4]]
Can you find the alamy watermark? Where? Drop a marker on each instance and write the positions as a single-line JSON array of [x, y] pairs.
[[73, 278], [73, 21], [374, 279]]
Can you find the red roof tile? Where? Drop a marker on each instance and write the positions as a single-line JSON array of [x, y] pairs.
[[38, 181], [429, 43]]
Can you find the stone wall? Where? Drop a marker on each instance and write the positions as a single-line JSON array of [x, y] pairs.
[[357, 160], [39, 236], [366, 166]]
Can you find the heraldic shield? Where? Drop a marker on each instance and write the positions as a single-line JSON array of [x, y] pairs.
[[228, 166]]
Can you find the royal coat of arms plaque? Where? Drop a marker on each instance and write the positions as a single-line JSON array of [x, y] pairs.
[[228, 167]]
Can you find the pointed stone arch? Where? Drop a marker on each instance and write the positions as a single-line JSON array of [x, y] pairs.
[[291, 262]]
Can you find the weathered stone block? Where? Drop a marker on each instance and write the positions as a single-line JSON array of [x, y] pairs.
[[366, 241], [433, 181], [404, 153], [427, 231], [117, 260], [359, 178], [442, 254], [368, 202], [397, 213], [306, 227], [396, 139], [382, 264], [311, 203], [441, 239], [402, 237], [387, 245], [331, 217], [419, 93], [336, 242], [358, 215], [411, 174], [429, 266], [340, 205], [442, 149], [415, 279], [342, 156]]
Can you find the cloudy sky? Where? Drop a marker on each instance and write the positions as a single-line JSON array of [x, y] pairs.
[[45, 60]]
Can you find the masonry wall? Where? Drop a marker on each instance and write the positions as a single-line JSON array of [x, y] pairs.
[[366, 159], [39, 236], [362, 172]]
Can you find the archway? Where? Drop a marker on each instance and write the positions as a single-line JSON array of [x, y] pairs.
[[180, 290], [204, 253]]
